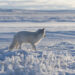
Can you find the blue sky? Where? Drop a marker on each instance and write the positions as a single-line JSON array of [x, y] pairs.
[[38, 4]]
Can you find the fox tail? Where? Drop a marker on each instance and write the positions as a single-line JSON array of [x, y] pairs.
[[13, 44]]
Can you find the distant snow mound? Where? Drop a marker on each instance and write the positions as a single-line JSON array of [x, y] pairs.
[[64, 43], [64, 46]]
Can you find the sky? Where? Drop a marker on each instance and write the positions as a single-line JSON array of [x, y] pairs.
[[38, 4]]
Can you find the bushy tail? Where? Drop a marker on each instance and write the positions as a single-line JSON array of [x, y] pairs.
[[13, 44]]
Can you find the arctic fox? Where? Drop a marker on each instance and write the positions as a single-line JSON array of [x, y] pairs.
[[27, 37]]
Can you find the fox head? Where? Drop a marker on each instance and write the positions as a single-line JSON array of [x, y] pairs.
[[42, 31]]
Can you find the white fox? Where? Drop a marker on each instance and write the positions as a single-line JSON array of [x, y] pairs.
[[27, 37]]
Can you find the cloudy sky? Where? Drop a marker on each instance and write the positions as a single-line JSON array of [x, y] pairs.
[[38, 4]]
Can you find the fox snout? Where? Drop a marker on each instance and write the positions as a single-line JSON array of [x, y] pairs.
[[44, 35]]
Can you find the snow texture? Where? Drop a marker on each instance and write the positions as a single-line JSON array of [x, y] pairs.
[[55, 55], [14, 15]]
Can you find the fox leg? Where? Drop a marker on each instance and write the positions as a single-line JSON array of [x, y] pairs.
[[20, 45], [33, 46], [17, 45]]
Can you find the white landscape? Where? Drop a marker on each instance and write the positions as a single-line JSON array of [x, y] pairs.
[[54, 55]]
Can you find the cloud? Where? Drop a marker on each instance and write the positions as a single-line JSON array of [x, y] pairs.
[[38, 4], [3, 3]]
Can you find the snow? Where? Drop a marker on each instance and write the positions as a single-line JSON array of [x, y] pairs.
[[34, 16], [55, 54]]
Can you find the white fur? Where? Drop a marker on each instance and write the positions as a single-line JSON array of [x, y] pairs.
[[27, 37]]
